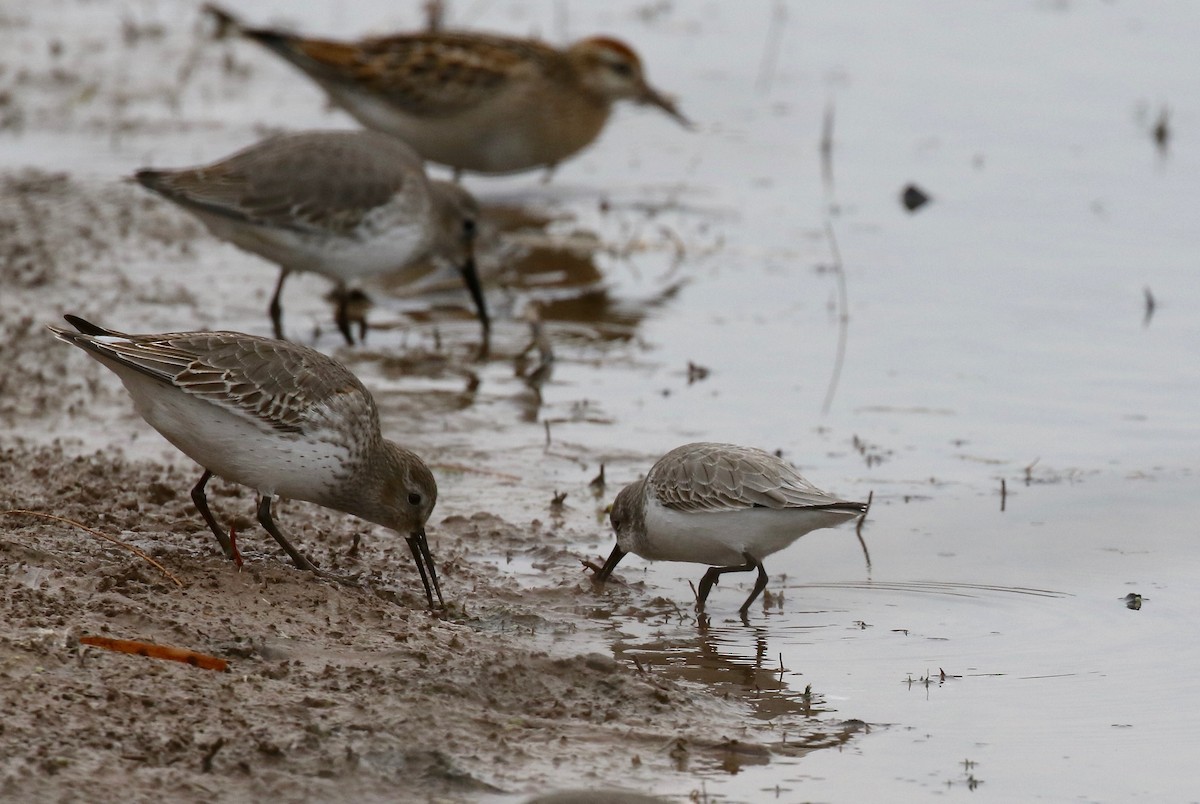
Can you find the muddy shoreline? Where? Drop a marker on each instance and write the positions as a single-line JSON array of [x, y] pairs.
[[332, 691]]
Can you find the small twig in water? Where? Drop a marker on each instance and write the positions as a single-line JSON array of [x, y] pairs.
[[766, 70], [539, 340], [1003, 494], [827, 152], [843, 317], [680, 247], [678, 612], [597, 484], [858, 529]]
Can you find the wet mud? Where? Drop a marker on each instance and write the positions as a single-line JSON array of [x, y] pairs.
[[354, 692]]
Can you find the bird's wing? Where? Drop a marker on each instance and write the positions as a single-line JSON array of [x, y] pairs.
[[278, 384], [431, 75], [724, 477], [310, 182]]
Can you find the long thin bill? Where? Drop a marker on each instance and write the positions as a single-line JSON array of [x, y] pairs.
[[653, 97], [614, 558], [470, 275], [419, 545]]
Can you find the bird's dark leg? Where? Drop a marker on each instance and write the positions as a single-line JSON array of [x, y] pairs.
[[264, 518], [350, 308], [275, 308], [759, 584], [298, 558], [614, 558], [201, 503], [714, 574], [470, 276], [419, 544], [341, 314]]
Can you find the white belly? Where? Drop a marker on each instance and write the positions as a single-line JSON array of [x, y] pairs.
[[720, 538], [391, 246], [237, 448]]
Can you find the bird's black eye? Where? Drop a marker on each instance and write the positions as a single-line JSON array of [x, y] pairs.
[[621, 68], [414, 499]]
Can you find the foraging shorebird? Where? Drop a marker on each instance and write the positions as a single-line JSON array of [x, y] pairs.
[[722, 505], [280, 418], [344, 204]]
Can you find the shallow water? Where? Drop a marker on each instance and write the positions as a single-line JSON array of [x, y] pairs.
[[999, 334]]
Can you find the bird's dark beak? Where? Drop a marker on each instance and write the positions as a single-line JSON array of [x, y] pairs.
[[419, 545], [652, 97], [614, 558]]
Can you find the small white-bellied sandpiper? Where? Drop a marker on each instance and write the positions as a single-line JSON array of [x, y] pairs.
[[475, 102], [722, 505], [280, 418], [344, 204]]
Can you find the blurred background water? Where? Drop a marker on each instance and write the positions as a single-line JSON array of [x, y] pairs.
[[1035, 323]]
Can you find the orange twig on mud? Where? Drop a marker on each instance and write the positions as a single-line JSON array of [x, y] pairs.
[[184, 655]]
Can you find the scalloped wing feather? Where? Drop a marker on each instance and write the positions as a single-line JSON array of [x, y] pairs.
[[309, 182], [430, 74], [278, 384], [726, 477]]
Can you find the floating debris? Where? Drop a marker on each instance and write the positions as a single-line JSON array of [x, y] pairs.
[[913, 198], [1162, 130]]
